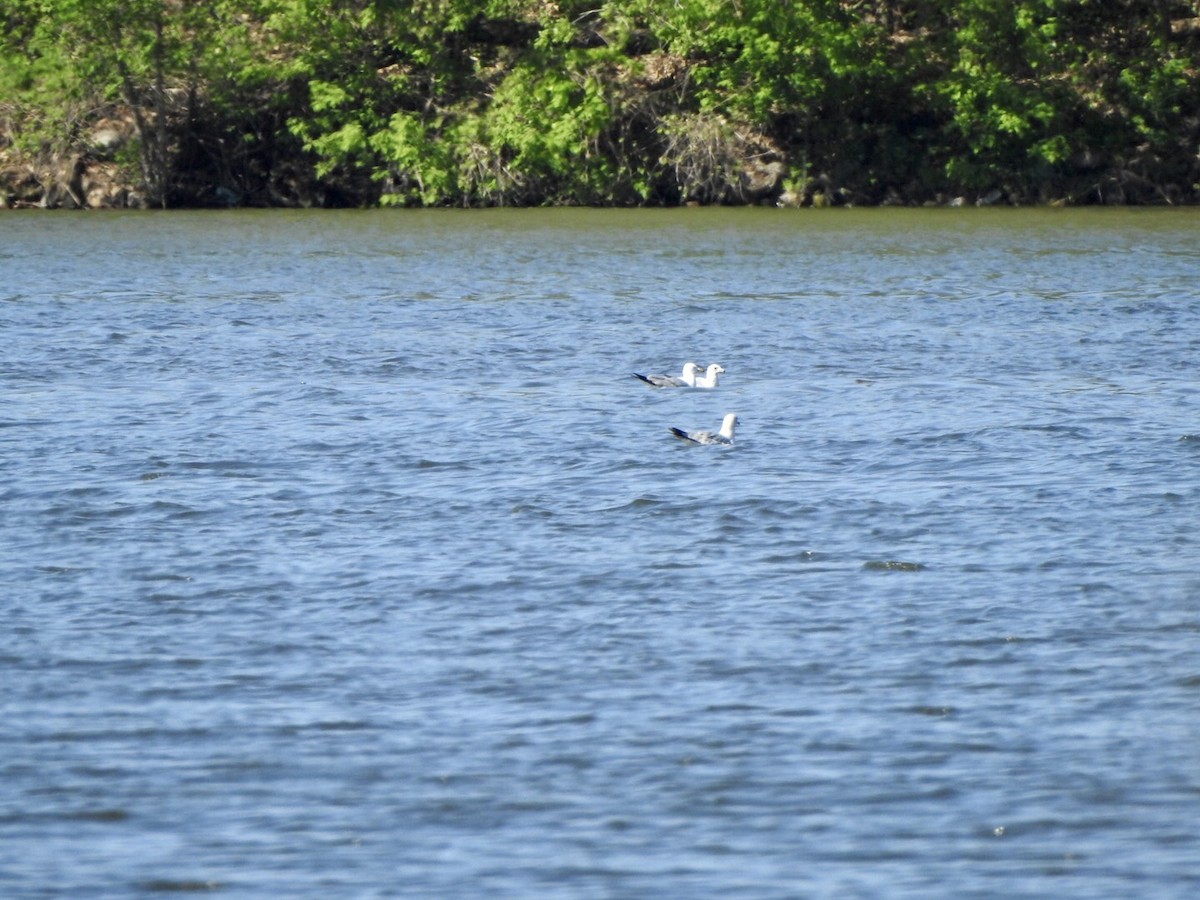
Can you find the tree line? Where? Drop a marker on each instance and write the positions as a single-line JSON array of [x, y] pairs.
[[603, 102]]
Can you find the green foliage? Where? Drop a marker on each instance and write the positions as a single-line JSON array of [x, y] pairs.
[[544, 120], [423, 171], [480, 102], [1005, 115], [67, 62]]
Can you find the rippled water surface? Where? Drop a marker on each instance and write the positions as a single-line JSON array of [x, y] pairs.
[[341, 555]]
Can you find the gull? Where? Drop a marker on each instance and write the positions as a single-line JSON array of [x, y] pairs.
[[688, 378], [709, 379], [724, 436]]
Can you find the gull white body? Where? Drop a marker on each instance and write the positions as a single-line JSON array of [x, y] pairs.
[[687, 379], [709, 379], [724, 436]]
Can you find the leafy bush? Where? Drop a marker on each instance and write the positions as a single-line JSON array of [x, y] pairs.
[[486, 102]]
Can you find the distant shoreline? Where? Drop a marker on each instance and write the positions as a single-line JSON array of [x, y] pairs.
[[76, 185], [527, 103]]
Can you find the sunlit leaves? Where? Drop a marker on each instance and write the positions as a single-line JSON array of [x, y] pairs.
[[546, 101]]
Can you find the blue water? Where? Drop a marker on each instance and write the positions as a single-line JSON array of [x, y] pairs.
[[341, 555]]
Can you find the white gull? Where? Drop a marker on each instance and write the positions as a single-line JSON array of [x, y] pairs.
[[709, 379], [724, 436], [688, 379]]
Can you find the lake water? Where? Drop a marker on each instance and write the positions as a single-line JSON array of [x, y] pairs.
[[341, 555]]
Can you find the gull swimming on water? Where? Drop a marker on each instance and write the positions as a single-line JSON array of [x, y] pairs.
[[688, 379], [709, 379], [724, 436]]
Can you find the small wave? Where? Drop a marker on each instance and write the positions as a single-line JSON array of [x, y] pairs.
[[455, 464], [229, 468], [532, 509], [636, 503], [936, 712], [328, 725], [892, 565], [98, 815], [1058, 430], [174, 886], [777, 558], [65, 571]]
